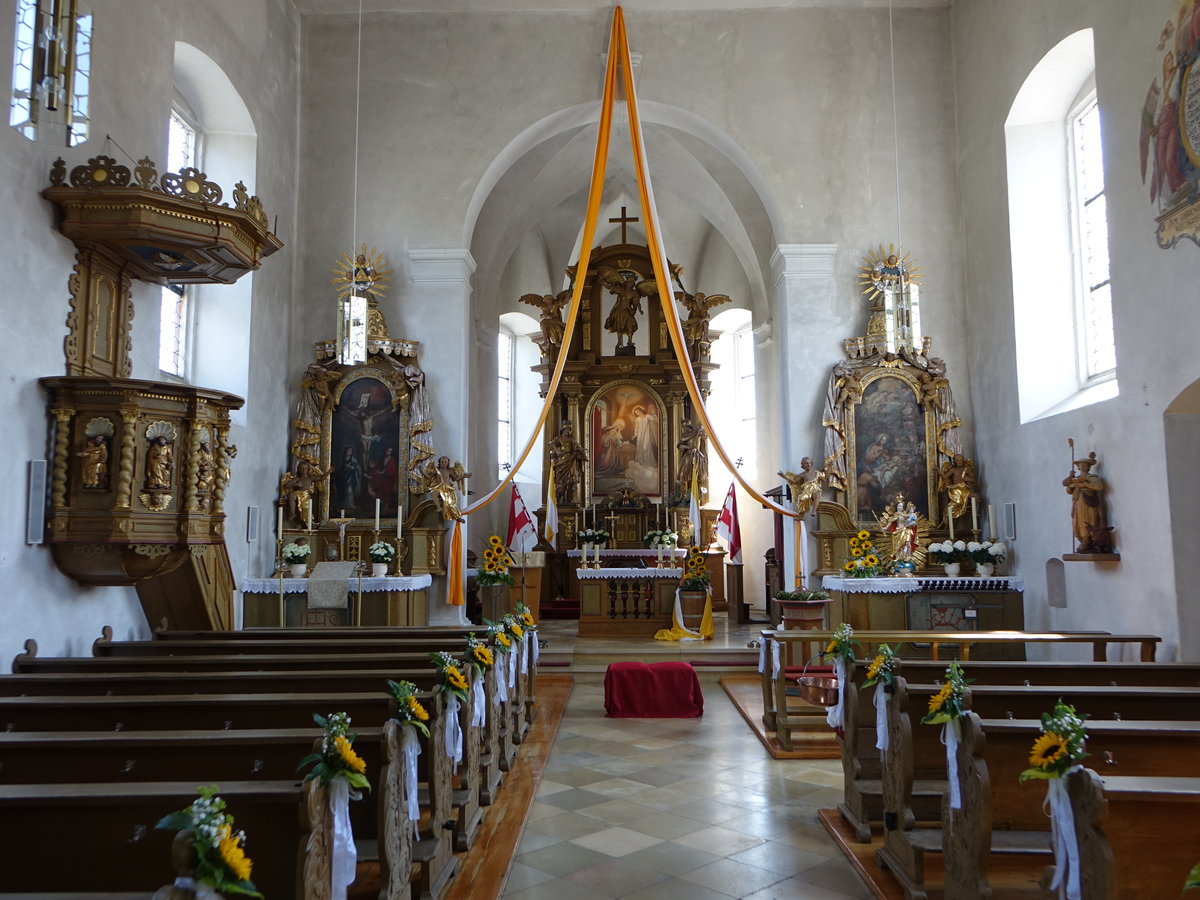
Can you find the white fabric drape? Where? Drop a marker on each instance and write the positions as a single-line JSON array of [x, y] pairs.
[[1066, 844], [537, 648], [881, 723], [343, 855], [762, 655], [837, 712], [951, 735], [512, 664], [412, 749], [501, 681], [776, 658], [202, 891], [478, 700], [524, 645], [453, 732]]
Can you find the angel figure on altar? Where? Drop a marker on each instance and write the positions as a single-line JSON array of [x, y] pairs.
[[445, 481], [805, 486], [622, 320], [696, 326], [957, 478], [551, 322], [907, 529]]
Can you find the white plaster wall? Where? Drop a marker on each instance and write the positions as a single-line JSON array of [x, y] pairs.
[[997, 43], [256, 42]]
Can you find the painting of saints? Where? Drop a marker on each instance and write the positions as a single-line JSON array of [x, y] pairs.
[[383, 481], [365, 435], [626, 441], [891, 455]]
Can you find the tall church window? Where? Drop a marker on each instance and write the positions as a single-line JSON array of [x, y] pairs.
[[183, 140], [1058, 235], [732, 404], [504, 401]]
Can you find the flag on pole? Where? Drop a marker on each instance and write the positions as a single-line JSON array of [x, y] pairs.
[[522, 536], [728, 528], [551, 532], [694, 511]]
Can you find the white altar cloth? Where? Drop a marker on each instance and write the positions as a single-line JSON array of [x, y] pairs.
[[629, 574], [644, 552], [369, 585], [918, 584]]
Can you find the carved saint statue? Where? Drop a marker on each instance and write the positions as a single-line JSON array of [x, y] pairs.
[[298, 489], [95, 462], [695, 326], [1089, 518], [622, 321], [551, 322], [160, 460], [957, 478], [567, 459], [444, 481], [692, 457], [805, 486], [206, 475]]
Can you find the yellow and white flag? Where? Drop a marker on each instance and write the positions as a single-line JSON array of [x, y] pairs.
[[698, 539], [551, 530]]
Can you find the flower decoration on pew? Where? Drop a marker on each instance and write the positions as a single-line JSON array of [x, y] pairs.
[[1060, 746], [862, 562], [336, 758], [452, 672], [843, 644], [496, 561], [409, 710], [882, 669], [478, 654], [501, 641], [221, 861], [1193, 880], [525, 617], [695, 571], [949, 703]]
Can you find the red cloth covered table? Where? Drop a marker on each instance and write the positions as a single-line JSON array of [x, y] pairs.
[[664, 690]]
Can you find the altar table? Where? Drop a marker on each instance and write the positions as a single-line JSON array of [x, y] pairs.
[[626, 601], [662, 690], [390, 600]]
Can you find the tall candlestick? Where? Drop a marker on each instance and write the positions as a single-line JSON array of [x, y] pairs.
[[279, 523], [992, 521], [974, 515], [400, 523], [376, 513]]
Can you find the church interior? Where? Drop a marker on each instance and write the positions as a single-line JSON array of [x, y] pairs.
[[326, 282]]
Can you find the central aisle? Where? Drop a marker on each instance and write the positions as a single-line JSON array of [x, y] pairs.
[[677, 808]]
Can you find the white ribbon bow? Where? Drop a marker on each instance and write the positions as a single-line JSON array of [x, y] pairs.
[[837, 712], [187, 883], [776, 658], [478, 701], [453, 734], [512, 665], [537, 648], [762, 656], [412, 749], [525, 653], [881, 722], [951, 735], [501, 682], [1066, 844], [343, 854]]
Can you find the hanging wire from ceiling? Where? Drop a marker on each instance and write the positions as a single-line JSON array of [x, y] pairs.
[[895, 126], [357, 107]]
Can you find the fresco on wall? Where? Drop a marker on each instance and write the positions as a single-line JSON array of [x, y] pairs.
[[1170, 134]]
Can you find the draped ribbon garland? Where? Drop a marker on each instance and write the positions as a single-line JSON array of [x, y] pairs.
[[1066, 843], [412, 749], [837, 713], [453, 733], [343, 855], [881, 722], [951, 735], [478, 701]]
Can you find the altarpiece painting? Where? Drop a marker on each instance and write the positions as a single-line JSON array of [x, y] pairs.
[[627, 426]]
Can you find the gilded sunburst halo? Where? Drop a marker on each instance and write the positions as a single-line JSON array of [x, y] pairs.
[[883, 270], [362, 273]]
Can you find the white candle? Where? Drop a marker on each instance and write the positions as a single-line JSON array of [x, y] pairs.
[[308, 514], [593, 513], [950, 518], [974, 515], [399, 523], [279, 523], [376, 513], [992, 521]]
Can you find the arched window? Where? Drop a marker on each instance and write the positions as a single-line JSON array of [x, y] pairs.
[[732, 404], [517, 400], [1058, 230], [183, 149]]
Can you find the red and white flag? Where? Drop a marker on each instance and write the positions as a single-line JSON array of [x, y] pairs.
[[728, 529], [522, 536]]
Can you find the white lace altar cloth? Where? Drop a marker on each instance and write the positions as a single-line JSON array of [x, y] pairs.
[[918, 585], [369, 585], [629, 574]]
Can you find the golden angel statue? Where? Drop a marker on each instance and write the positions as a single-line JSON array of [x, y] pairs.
[[445, 481], [957, 478], [695, 327], [297, 489], [551, 323], [805, 486], [909, 533], [622, 320]]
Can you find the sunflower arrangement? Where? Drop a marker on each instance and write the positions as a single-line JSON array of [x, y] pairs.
[[478, 655], [496, 560], [525, 617], [221, 861], [882, 667], [501, 641], [452, 672], [336, 758], [695, 571], [862, 562], [409, 710], [842, 645], [1060, 745], [948, 703], [513, 626]]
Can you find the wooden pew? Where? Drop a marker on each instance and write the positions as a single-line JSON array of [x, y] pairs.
[[862, 802], [915, 752], [1136, 834]]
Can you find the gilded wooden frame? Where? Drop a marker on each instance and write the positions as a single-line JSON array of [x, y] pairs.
[[891, 446]]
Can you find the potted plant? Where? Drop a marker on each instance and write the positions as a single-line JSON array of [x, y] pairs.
[[694, 584], [862, 562], [597, 537], [951, 555], [662, 540], [381, 553], [295, 554], [986, 556]]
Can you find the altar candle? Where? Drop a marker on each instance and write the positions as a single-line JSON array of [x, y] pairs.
[[974, 515], [279, 523], [376, 513], [950, 518], [308, 514], [992, 521], [399, 523]]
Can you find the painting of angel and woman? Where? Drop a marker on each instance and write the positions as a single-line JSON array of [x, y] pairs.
[[890, 448], [626, 428]]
